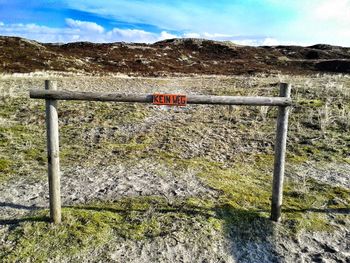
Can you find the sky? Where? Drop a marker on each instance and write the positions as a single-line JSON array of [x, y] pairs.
[[246, 22]]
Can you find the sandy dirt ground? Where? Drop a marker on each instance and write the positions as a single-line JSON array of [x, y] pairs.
[[21, 196]]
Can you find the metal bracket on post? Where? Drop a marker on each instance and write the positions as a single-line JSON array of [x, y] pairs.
[[53, 155], [280, 153]]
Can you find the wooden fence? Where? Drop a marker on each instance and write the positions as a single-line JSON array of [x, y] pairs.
[[51, 95]]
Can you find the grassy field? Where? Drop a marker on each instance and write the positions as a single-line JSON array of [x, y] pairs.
[[210, 172]]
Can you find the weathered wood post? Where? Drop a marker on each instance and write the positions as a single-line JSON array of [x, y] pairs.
[[51, 95], [280, 153], [53, 155]]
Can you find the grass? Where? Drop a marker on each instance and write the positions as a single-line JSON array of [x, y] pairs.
[[90, 227], [310, 103], [249, 189], [23, 137], [242, 209], [5, 167], [229, 149]]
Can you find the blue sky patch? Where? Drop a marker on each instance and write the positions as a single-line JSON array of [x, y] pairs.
[[247, 22]]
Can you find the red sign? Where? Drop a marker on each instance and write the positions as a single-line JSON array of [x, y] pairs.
[[169, 99]]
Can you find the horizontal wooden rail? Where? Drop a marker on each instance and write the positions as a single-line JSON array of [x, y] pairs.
[[51, 95], [148, 98]]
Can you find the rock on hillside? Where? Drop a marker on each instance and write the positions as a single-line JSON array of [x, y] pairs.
[[173, 56]]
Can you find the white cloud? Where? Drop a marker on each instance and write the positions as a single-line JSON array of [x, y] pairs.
[[84, 26], [332, 19], [206, 35], [165, 14], [262, 42], [166, 35], [137, 36], [270, 42], [81, 31], [246, 42], [240, 40], [192, 35], [254, 42], [212, 36], [317, 21], [89, 31], [216, 36], [276, 22], [36, 32], [51, 34], [131, 35], [335, 10], [298, 21]]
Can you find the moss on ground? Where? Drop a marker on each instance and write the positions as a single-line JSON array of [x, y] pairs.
[[92, 126], [23, 148], [310, 103], [247, 188], [242, 209], [38, 240], [5, 167], [23, 134], [318, 132], [90, 227]]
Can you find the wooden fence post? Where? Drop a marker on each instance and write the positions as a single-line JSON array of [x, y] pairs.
[[280, 153], [51, 95], [53, 155]]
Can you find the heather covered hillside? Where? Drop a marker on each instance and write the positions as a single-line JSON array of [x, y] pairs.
[[170, 57]]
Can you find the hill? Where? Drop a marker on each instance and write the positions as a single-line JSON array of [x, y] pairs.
[[168, 57]]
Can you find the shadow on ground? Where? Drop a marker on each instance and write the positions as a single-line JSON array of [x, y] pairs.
[[252, 235]]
